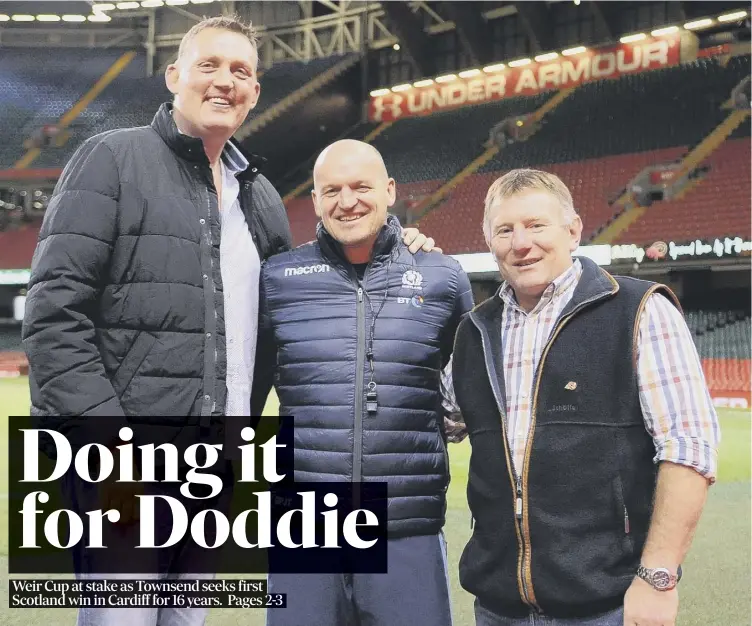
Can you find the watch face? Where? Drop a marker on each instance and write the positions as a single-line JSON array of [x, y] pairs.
[[661, 578]]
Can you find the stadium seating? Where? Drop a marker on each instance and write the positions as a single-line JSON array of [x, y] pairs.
[[724, 342], [591, 182], [596, 140], [17, 247], [456, 224], [38, 86], [721, 334], [654, 110], [10, 339], [439, 145], [717, 207]]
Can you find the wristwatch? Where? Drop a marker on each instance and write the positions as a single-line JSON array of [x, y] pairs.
[[659, 578]]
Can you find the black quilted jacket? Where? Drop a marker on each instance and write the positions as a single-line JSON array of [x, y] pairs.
[[124, 315]]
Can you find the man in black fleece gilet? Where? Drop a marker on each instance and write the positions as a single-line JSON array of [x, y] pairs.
[[593, 435]]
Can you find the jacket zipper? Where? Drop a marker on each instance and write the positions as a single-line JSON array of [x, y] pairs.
[[211, 392], [360, 362], [515, 479], [525, 571]]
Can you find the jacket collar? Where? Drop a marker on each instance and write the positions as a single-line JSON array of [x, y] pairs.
[[595, 284], [388, 239], [191, 148]]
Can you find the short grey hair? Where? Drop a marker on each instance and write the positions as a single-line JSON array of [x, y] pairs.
[[520, 180], [233, 23]]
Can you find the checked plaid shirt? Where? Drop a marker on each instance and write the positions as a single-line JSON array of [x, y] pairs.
[[676, 404]]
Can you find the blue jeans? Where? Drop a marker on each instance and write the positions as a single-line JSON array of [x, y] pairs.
[[484, 617]]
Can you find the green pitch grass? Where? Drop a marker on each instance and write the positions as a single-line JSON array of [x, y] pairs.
[[715, 590]]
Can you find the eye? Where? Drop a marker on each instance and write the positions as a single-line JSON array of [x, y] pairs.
[[503, 232], [363, 189], [242, 72]]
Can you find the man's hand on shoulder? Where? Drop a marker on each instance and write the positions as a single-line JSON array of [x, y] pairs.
[[415, 240]]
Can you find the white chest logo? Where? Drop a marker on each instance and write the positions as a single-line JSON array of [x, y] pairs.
[[412, 280]]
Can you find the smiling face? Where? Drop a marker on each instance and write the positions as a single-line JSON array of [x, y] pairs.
[[214, 82], [352, 193], [532, 242]]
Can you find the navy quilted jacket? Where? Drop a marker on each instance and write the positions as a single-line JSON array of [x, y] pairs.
[[319, 319]]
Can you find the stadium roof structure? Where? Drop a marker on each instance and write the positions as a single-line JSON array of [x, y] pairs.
[[308, 29]]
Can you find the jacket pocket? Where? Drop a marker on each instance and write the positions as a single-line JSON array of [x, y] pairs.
[[132, 362], [624, 530]]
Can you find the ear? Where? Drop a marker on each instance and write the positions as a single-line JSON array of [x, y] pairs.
[[575, 233], [172, 77], [391, 192], [315, 203], [255, 96]]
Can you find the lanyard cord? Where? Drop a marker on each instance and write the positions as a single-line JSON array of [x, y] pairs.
[[374, 316]]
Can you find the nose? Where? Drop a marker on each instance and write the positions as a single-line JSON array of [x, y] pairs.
[[520, 239], [223, 78], [347, 198]]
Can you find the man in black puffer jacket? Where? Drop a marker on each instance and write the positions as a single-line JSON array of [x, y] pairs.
[[149, 233], [125, 313], [360, 330]]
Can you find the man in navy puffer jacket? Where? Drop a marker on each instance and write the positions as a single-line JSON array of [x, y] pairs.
[[350, 313]]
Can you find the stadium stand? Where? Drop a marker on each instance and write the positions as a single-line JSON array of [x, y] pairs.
[[605, 133], [10, 339], [17, 246], [717, 207], [664, 108], [39, 86], [456, 223], [34, 90], [724, 344], [721, 334], [451, 138]]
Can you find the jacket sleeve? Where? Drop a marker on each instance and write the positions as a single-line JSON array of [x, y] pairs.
[[266, 354], [463, 303], [69, 267]]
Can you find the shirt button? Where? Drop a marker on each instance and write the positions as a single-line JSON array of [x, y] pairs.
[[202, 221], [207, 397], [208, 335], [523, 394], [206, 277]]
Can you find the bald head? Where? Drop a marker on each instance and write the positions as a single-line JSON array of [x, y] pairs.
[[351, 194], [351, 151]]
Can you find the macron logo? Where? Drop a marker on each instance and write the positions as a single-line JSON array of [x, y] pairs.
[[307, 269]]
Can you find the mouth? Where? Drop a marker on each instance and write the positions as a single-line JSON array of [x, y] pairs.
[[349, 219], [526, 263], [220, 102]]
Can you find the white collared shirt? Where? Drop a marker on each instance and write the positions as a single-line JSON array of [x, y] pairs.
[[241, 265]]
